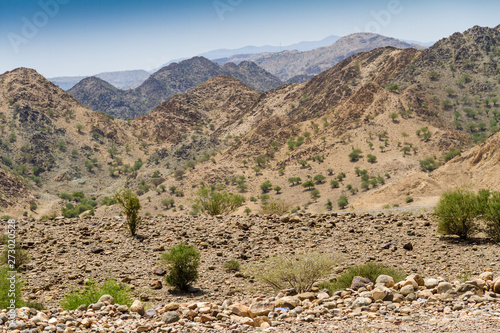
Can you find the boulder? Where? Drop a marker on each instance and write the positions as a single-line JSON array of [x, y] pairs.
[[239, 309], [260, 309], [431, 283], [487, 276], [359, 282], [385, 280], [496, 286], [444, 287], [287, 302], [107, 298], [170, 317], [407, 290], [360, 302], [138, 307]]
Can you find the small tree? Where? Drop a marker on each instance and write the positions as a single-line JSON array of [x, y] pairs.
[[319, 179], [329, 205], [79, 127], [394, 116], [266, 186], [456, 212], [343, 202], [130, 207], [334, 183], [308, 184], [214, 202], [277, 189], [183, 261], [315, 194], [371, 158], [355, 155]]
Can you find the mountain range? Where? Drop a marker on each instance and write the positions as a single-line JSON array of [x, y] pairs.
[[294, 66], [173, 79], [379, 127], [289, 64], [122, 79]]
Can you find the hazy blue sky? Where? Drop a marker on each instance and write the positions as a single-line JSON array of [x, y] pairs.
[[83, 37]]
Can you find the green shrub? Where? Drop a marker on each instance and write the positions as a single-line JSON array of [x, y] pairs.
[[213, 202], [130, 207], [370, 271], [266, 186], [456, 212], [232, 265], [452, 153], [65, 196], [5, 289], [5, 217], [319, 179], [492, 217], [334, 184], [409, 199], [343, 202], [429, 164], [371, 158], [183, 261], [293, 271], [91, 293], [355, 155]]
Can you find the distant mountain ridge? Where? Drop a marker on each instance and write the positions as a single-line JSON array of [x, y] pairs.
[[121, 79], [289, 64], [176, 78]]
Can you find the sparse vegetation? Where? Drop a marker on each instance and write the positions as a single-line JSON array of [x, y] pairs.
[[130, 207], [342, 202], [214, 202], [91, 292], [183, 261], [293, 271], [456, 212]]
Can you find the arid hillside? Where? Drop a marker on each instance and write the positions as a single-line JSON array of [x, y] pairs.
[[367, 131]]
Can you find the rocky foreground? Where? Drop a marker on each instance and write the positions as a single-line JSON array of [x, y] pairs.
[[451, 285]]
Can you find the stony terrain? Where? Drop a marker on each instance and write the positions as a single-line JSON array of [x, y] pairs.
[[65, 252]]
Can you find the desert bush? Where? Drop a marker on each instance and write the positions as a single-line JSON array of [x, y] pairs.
[[130, 207], [355, 155], [492, 216], [266, 186], [5, 289], [329, 205], [370, 271], [409, 199], [293, 271], [428, 164], [213, 202], [309, 184], [275, 206], [334, 183], [91, 292], [183, 261], [456, 212], [232, 265], [371, 158], [319, 179], [343, 202]]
